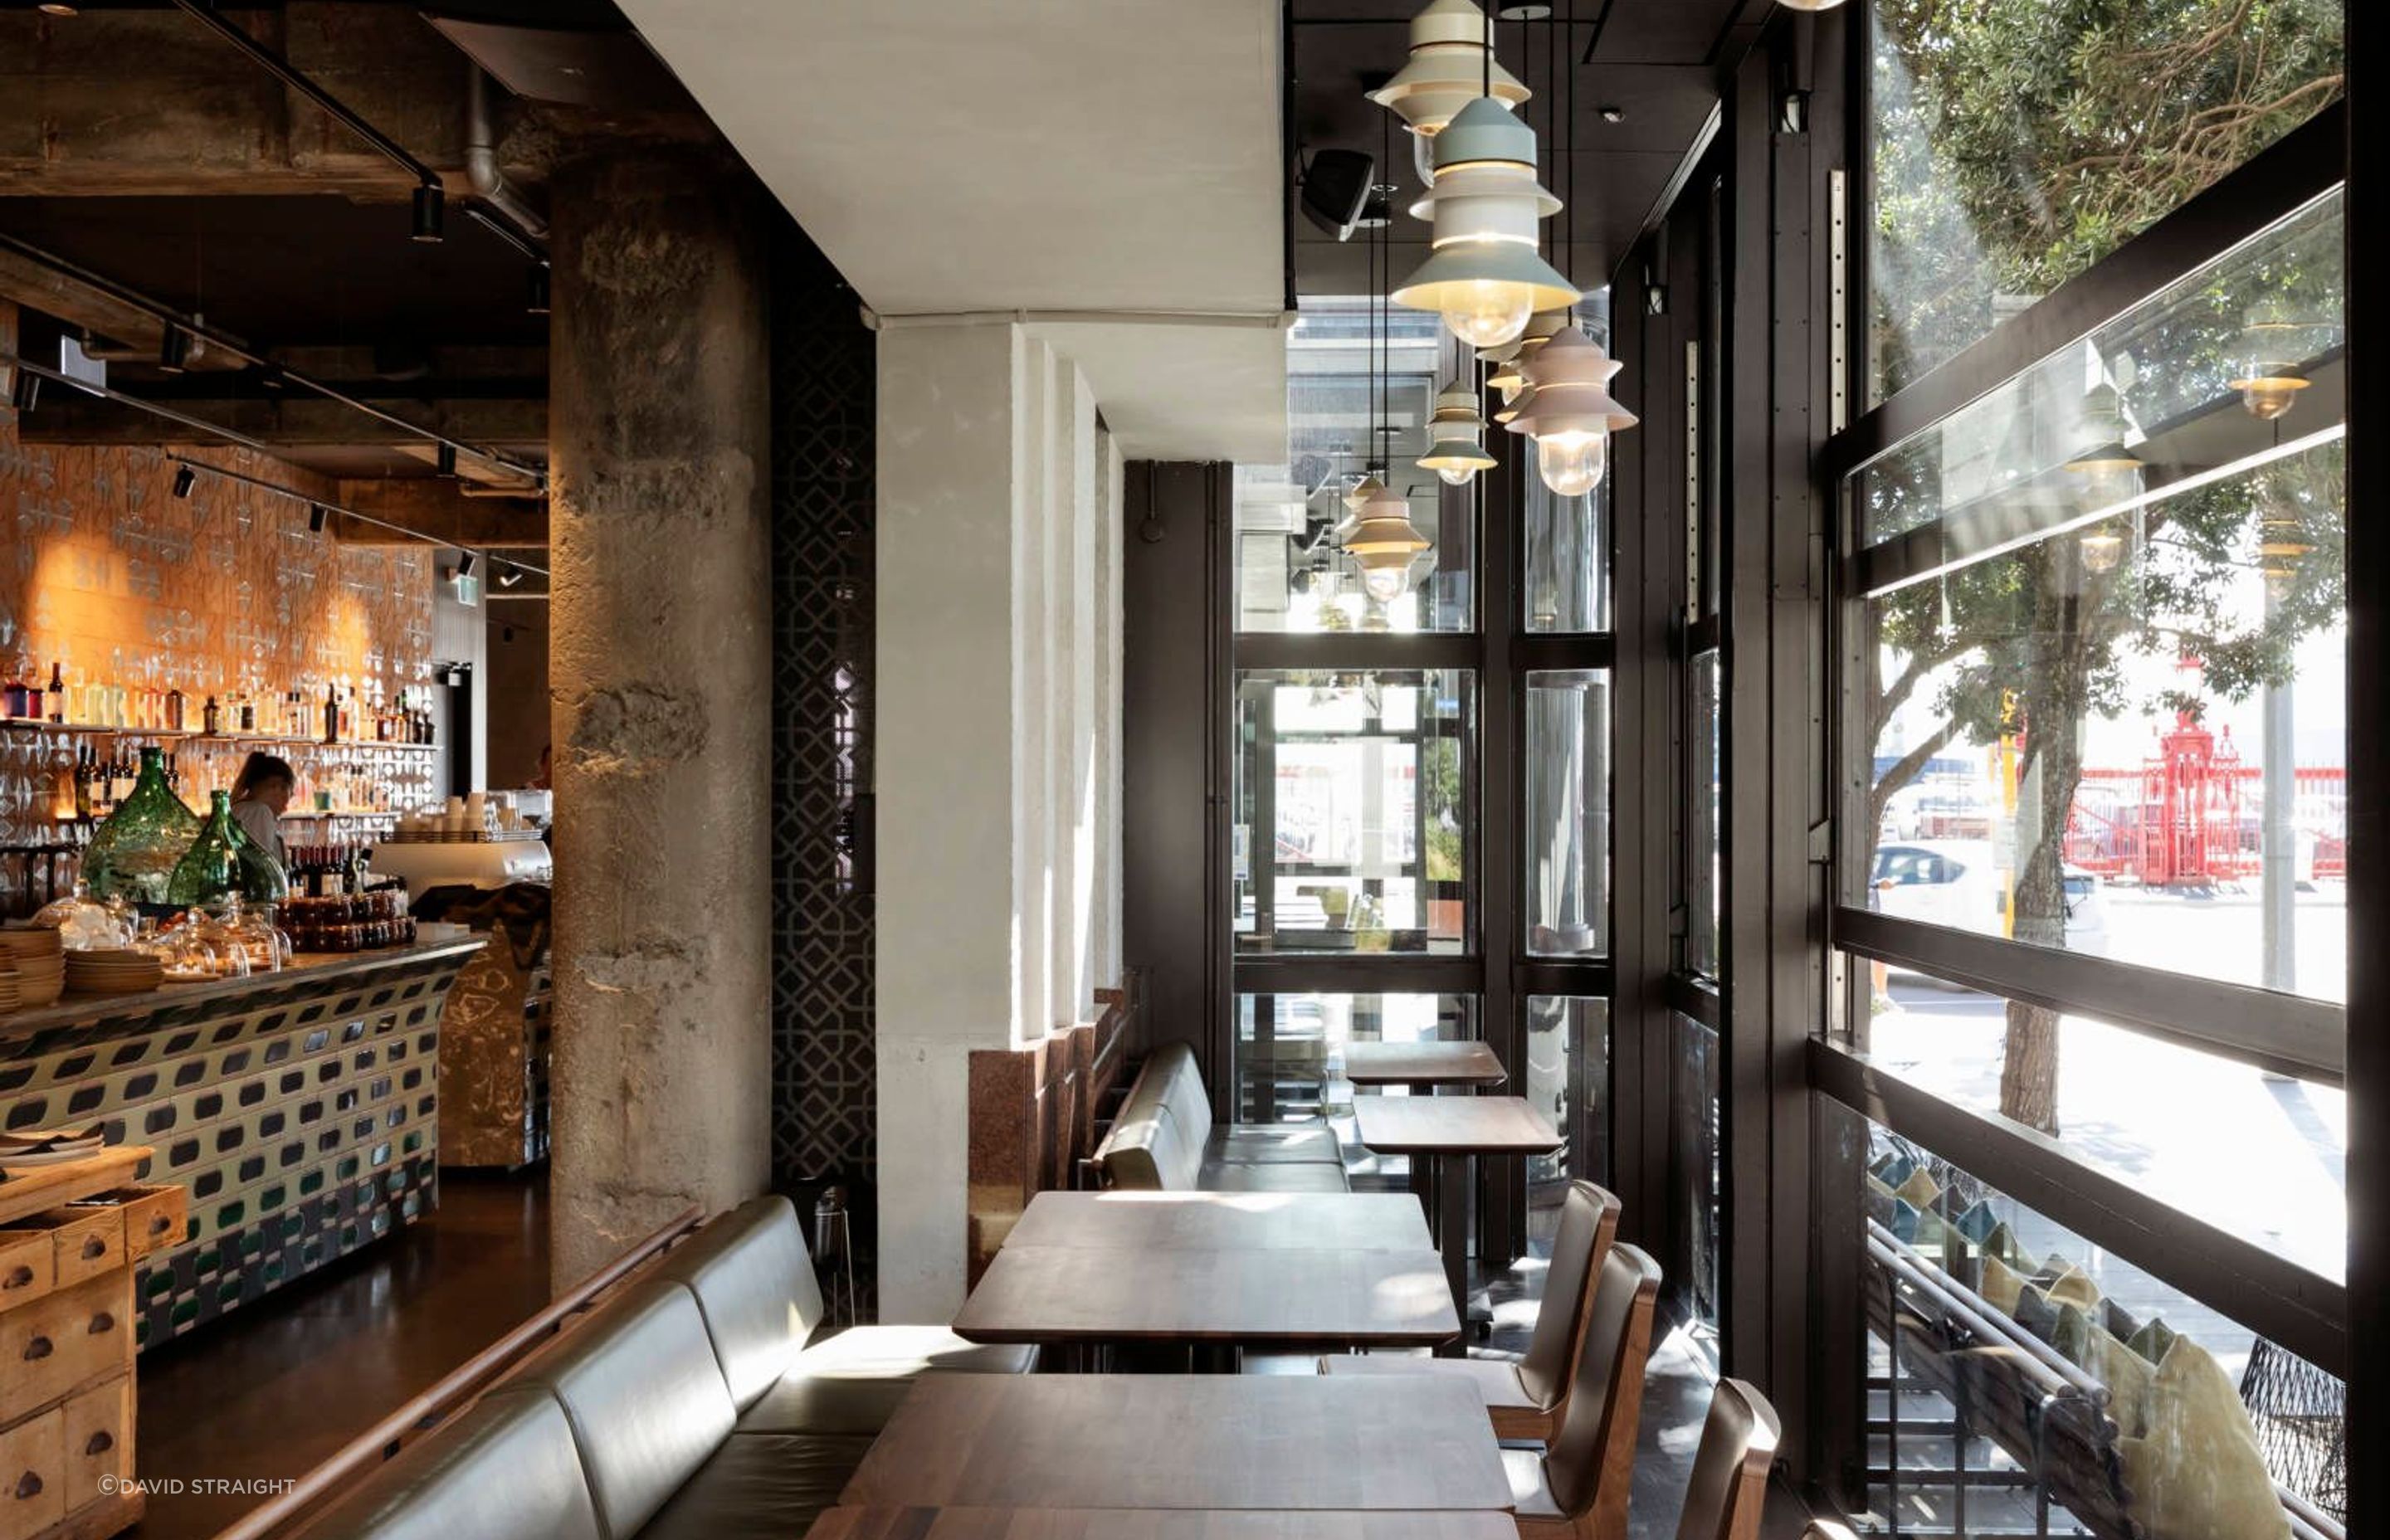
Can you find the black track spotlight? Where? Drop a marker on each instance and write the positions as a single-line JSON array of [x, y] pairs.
[[445, 459], [507, 574], [184, 479], [24, 387], [317, 514], [464, 564], [505, 634], [431, 215], [536, 298], [173, 348]]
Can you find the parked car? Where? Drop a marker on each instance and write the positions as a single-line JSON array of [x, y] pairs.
[[1954, 882]]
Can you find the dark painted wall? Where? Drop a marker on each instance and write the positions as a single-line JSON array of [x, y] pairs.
[[1174, 737]]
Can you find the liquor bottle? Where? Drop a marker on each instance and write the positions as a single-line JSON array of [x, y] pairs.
[[174, 711], [58, 695], [331, 714], [82, 783], [248, 712], [211, 717]]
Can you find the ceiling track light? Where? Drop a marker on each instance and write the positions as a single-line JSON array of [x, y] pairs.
[[464, 564], [186, 470], [444, 459], [505, 573], [317, 514], [173, 348], [184, 477], [431, 213], [536, 298]]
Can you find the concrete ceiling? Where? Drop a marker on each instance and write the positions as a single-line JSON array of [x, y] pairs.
[[1098, 162]]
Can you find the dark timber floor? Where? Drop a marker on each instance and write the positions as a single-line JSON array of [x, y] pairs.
[[279, 1385]]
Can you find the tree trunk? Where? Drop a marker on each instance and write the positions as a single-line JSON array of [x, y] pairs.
[[2052, 706]]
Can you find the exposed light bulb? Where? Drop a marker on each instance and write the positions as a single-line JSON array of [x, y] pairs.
[[1487, 315], [1452, 475], [2102, 550], [1571, 463]]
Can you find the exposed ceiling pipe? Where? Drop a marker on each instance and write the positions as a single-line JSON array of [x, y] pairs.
[[481, 169]]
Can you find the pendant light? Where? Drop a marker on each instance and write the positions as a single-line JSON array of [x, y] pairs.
[[1566, 405], [1456, 449], [2106, 472], [1382, 541], [1509, 376], [1451, 65], [2274, 344], [1483, 274]]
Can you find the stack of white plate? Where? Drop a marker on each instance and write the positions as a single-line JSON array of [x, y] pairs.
[[35, 1146], [40, 965]]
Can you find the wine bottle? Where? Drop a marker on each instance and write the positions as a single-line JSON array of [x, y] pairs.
[[211, 717], [331, 714], [57, 694]]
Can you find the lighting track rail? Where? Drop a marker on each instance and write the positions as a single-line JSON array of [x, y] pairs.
[[194, 326], [185, 463], [431, 192]]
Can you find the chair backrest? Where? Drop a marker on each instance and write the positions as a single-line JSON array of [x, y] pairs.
[[1588, 1223], [506, 1470], [1157, 1141], [645, 1400], [754, 1284], [1591, 1462], [1729, 1481]]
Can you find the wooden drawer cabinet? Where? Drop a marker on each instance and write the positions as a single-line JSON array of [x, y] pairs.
[[26, 1270], [69, 1235], [32, 1475], [99, 1441], [154, 1216]]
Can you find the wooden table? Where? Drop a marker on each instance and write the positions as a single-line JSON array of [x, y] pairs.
[[1407, 1442], [1222, 1221], [1423, 1066], [1152, 1523], [1282, 1298], [1450, 1132]]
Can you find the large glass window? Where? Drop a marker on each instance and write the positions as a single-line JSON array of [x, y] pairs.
[[1355, 807], [1567, 866], [1703, 879], [1292, 574], [1290, 1046], [2022, 1379], [2102, 670], [2013, 146], [1566, 1080]]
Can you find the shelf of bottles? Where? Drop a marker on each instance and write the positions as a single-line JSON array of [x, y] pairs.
[[67, 758]]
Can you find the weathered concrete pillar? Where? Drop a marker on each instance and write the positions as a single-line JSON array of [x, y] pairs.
[[660, 691]]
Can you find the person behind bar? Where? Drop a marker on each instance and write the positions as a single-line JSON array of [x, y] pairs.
[[258, 796]]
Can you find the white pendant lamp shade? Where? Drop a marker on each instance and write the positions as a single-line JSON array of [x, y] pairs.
[[1362, 491], [1447, 69], [1483, 274], [1383, 543], [1509, 376], [1455, 450], [1571, 413]]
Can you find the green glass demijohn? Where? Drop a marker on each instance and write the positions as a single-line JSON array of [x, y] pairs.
[[133, 854], [223, 860]]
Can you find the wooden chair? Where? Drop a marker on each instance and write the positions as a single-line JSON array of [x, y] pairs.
[[1729, 1484], [1526, 1397], [1576, 1489]]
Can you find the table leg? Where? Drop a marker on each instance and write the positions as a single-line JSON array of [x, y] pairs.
[[1423, 1186], [1452, 1175]]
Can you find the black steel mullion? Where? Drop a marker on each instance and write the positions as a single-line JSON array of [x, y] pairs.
[[2303, 1311], [2285, 1033]]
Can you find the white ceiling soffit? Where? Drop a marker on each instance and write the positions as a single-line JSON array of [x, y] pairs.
[[1071, 156]]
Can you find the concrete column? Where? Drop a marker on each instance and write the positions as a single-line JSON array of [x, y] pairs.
[[958, 818], [660, 691], [1033, 666], [1074, 692]]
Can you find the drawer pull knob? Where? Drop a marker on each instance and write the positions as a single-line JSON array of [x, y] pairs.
[[18, 1277], [95, 1245], [36, 1349], [29, 1485], [102, 1322], [101, 1442]]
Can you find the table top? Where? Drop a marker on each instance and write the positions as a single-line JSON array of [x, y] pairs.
[[1281, 1297], [1453, 1126], [1406, 1442], [1185, 1523], [1221, 1222], [1422, 1064]]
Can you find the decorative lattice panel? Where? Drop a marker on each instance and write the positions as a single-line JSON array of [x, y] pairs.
[[823, 411]]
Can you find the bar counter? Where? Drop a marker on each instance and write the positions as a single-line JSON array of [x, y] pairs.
[[300, 1108]]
